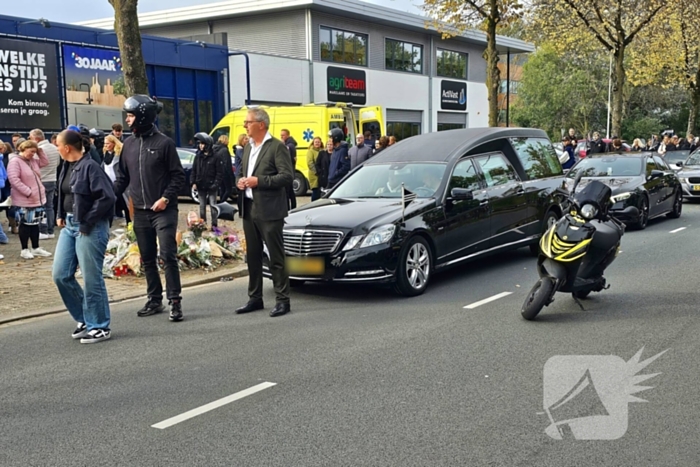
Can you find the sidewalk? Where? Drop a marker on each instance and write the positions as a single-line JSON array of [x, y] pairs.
[[27, 290]]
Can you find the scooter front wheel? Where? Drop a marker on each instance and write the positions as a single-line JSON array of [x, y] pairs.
[[538, 297]]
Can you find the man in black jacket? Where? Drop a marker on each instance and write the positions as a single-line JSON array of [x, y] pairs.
[[291, 144], [150, 169], [220, 149], [207, 174]]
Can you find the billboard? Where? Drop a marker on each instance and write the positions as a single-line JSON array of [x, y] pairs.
[[453, 95], [29, 93], [93, 76]]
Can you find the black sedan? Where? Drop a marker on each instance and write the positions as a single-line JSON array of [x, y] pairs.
[[643, 180], [187, 159], [426, 203]]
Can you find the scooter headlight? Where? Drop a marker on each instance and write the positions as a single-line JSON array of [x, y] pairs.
[[588, 211]]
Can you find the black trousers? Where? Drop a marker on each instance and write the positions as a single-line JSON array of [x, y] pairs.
[[150, 226], [270, 232]]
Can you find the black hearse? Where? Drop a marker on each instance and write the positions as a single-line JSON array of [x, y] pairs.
[[426, 203]]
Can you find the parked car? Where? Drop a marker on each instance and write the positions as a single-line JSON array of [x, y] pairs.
[[672, 158], [689, 175], [477, 191], [582, 147], [187, 159], [643, 180]]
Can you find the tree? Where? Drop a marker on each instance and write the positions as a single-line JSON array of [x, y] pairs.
[[672, 41], [559, 91], [453, 17], [126, 26], [614, 24]]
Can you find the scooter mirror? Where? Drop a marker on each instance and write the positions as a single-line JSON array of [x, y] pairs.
[[578, 178]]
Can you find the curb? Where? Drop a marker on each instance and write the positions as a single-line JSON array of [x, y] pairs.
[[235, 273]]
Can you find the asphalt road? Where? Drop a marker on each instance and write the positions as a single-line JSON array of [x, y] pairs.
[[363, 377]]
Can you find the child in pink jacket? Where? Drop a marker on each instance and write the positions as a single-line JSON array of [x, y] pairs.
[[28, 196]]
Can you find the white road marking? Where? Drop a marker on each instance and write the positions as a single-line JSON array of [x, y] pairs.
[[212, 405], [487, 300], [677, 230]]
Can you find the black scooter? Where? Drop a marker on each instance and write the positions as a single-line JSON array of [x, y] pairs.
[[576, 250]]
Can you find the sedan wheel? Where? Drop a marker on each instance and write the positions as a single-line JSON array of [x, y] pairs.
[[677, 206], [195, 195], [414, 268], [643, 214]]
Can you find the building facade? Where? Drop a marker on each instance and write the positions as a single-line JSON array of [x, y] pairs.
[[311, 51], [53, 75]]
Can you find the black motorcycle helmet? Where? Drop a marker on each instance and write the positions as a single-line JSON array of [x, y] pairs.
[[202, 137], [84, 130], [145, 110], [96, 134], [337, 135]]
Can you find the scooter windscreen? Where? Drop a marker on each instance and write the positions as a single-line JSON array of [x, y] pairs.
[[596, 193]]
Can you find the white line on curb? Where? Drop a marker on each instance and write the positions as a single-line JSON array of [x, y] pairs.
[[212, 405], [677, 230], [487, 300]]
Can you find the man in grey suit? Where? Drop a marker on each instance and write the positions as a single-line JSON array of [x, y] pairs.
[[266, 173]]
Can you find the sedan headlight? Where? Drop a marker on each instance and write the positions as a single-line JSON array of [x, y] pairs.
[[379, 235], [588, 211], [352, 243], [620, 197]]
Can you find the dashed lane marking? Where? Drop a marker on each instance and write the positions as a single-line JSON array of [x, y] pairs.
[[487, 300], [678, 230], [212, 405]]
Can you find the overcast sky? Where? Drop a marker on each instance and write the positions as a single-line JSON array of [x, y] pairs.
[[71, 11]]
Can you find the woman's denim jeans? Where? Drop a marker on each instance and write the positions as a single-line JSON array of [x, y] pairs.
[[90, 306]]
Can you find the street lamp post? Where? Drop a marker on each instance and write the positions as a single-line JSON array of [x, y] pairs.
[[607, 132]]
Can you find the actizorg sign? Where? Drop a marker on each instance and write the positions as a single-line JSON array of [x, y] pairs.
[[453, 95], [347, 85]]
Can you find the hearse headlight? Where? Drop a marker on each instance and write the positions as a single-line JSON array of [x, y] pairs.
[[352, 243], [620, 197], [379, 235], [588, 211]]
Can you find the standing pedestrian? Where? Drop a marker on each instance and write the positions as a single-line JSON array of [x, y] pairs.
[[291, 144], [243, 141], [112, 151], [85, 209], [118, 132], [266, 173], [207, 174], [29, 196], [340, 159], [221, 151], [150, 169], [48, 179], [312, 161], [360, 152]]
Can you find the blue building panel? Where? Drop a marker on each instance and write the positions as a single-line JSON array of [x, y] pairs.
[[188, 78]]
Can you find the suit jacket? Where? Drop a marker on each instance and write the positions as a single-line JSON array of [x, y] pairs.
[[273, 167]]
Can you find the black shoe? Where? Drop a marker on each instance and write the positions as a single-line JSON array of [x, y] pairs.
[[280, 309], [151, 308], [250, 306], [175, 310]]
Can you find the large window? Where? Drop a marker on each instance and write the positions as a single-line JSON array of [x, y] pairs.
[[450, 126], [452, 64], [403, 56], [166, 118], [402, 130], [538, 157], [340, 46], [186, 109], [205, 116]]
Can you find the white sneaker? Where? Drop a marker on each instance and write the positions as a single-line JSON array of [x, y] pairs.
[[41, 252], [43, 236], [1, 257], [26, 254]]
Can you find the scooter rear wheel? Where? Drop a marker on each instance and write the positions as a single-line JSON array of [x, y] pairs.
[[538, 297]]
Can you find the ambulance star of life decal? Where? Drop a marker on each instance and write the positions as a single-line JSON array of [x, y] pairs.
[[308, 135], [587, 396]]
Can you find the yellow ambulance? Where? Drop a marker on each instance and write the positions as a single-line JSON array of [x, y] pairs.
[[304, 123]]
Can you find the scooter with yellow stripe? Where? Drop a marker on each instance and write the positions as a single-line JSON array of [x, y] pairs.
[[576, 250]]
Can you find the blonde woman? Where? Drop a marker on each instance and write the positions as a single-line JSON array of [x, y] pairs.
[[312, 161], [242, 141], [112, 151]]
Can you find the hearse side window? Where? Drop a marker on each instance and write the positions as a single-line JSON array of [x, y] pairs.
[[465, 176], [661, 163], [538, 157], [651, 165], [496, 169]]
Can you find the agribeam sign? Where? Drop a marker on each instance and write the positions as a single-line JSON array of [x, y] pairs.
[[347, 85], [29, 96]]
